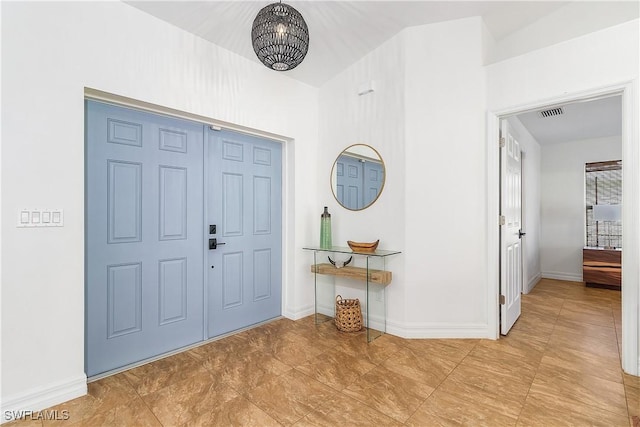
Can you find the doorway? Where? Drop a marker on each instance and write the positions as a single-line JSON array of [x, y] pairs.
[[561, 140], [151, 280], [631, 178]]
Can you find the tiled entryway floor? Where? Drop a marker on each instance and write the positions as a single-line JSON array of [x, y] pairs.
[[560, 365]]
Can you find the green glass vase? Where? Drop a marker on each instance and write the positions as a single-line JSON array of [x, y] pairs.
[[325, 229]]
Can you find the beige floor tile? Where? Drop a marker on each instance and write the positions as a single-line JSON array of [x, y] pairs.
[[443, 409], [235, 412], [291, 396], [425, 368], [541, 299], [520, 371], [605, 333], [508, 348], [535, 307], [218, 353], [133, 413], [185, 400], [520, 342], [487, 354], [450, 349], [112, 391], [153, 376], [281, 325], [390, 393], [633, 400], [336, 368], [24, 419], [503, 392], [571, 386], [543, 410], [346, 412], [248, 370], [295, 349], [376, 351], [534, 327], [84, 408], [567, 340], [105, 397], [584, 363], [592, 314]]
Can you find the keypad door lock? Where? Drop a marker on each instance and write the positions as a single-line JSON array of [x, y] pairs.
[[212, 229], [213, 244]]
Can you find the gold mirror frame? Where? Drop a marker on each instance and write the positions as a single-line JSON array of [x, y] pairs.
[[363, 158]]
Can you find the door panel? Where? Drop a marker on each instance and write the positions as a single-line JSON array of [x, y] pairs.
[[124, 201], [144, 240], [510, 238], [244, 201], [373, 174], [349, 182]]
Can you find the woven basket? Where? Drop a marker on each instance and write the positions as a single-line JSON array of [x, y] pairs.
[[348, 314]]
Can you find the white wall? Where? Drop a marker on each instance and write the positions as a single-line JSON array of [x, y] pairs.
[[595, 60], [445, 169], [426, 119], [563, 202], [376, 119], [573, 19], [530, 203], [110, 46]]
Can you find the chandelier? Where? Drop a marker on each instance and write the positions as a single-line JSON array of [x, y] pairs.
[[280, 37]]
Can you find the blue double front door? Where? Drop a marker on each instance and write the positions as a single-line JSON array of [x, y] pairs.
[[158, 191]]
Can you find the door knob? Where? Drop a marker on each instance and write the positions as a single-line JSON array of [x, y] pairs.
[[213, 244], [520, 234]]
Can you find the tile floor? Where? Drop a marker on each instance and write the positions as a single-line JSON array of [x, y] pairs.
[[560, 365]]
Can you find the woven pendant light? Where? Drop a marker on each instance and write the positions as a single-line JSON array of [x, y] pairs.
[[280, 37]]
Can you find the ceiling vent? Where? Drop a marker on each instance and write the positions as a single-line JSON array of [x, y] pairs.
[[551, 112]]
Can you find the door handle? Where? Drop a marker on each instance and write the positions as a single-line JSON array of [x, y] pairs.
[[213, 244], [520, 234]]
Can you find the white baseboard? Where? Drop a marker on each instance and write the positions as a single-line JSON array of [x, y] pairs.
[[43, 397], [532, 283], [439, 330], [559, 275], [299, 314], [409, 330]]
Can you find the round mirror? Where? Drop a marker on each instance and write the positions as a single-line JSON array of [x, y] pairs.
[[357, 177]]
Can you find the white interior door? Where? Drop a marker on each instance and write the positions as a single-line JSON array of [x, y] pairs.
[[510, 229]]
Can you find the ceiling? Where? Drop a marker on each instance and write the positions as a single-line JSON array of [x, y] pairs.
[[580, 120], [342, 32]]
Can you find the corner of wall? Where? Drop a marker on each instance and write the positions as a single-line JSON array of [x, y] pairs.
[[489, 45]]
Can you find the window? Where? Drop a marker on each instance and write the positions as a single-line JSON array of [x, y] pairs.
[[603, 196]]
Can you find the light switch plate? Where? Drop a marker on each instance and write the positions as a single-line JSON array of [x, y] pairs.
[[35, 218]]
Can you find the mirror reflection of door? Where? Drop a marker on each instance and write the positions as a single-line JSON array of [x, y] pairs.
[[357, 177]]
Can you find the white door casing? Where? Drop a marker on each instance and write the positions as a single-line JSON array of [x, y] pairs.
[[510, 229]]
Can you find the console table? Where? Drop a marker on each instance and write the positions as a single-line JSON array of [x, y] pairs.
[[602, 267], [372, 272]]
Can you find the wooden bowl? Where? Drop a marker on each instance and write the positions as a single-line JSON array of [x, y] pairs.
[[363, 246]]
